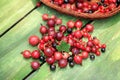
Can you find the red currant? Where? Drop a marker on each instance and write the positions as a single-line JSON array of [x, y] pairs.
[[35, 54], [35, 65], [26, 54], [33, 40], [78, 59]]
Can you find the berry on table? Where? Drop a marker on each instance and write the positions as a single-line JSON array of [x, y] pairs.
[[35, 65], [33, 40], [26, 54], [35, 54]]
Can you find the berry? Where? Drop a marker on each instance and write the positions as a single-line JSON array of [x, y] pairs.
[[78, 34], [69, 30], [71, 64], [62, 28], [51, 23], [33, 40], [54, 44], [103, 50], [89, 27], [84, 54], [58, 55], [88, 49], [50, 60], [52, 33], [53, 67], [78, 24], [98, 53], [62, 63], [42, 58], [48, 52], [92, 56], [26, 54], [103, 46], [59, 36], [35, 54], [78, 59], [35, 65], [38, 4], [53, 17], [45, 17], [58, 21], [43, 30], [75, 51], [70, 59], [41, 46], [70, 24], [90, 44]]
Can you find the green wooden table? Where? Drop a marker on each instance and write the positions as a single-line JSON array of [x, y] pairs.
[[14, 67]]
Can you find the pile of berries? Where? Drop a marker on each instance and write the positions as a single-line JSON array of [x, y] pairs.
[[81, 44], [88, 6]]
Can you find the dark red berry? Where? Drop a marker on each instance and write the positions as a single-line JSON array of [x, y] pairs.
[[89, 27], [78, 59], [48, 52], [33, 40], [50, 60], [35, 65], [59, 36], [70, 24], [58, 21], [62, 28], [78, 34], [35, 54], [58, 55], [45, 17], [62, 63], [84, 54], [51, 23], [26, 54], [43, 30], [75, 51], [78, 24]]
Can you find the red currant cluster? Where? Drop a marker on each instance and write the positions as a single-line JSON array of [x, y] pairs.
[[81, 44], [88, 6]]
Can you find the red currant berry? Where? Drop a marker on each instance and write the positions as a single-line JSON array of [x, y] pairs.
[[53, 17], [62, 28], [98, 53], [70, 24], [78, 24], [38, 4], [59, 36], [51, 22], [89, 27], [48, 52], [78, 34], [35, 65], [43, 30], [84, 54], [26, 54], [75, 51], [41, 46], [35, 54], [33, 40], [62, 63], [103, 45], [58, 21], [50, 60], [88, 49], [45, 17], [58, 55], [78, 59]]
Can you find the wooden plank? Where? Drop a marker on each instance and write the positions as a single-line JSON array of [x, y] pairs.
[[12, 64], [12, 11], [105, 67]]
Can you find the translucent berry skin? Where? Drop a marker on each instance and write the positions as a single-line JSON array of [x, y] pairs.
[[43, 30], [35, 54], [84, 54], [50, 60], [58, 55], [78, 59], [78, 24], [45, 17], [26, 54], [51, 23], [33, 40], [89, 27], [35, 65], [48, 52], [62, 63], [70, 24]]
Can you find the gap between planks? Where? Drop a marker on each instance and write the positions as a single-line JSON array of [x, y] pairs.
[[2, 34]]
